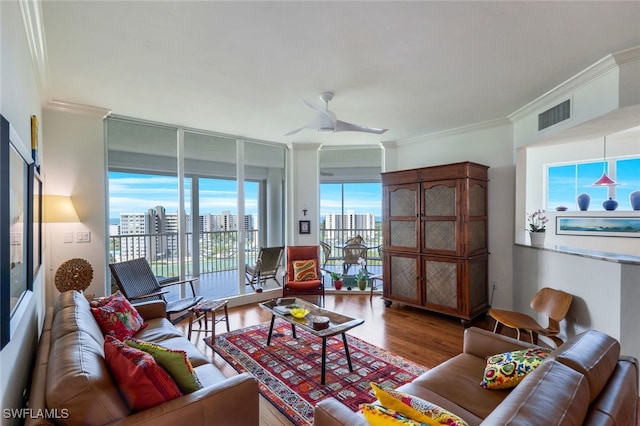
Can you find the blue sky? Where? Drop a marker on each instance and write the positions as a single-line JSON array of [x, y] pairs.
[[136, 193]]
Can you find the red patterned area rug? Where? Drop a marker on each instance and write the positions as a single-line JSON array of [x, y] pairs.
[[288, 371]]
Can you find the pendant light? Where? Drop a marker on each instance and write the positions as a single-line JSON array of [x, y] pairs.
[[604, 179]]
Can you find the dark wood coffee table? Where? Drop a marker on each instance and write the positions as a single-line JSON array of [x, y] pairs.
[[338, 324]]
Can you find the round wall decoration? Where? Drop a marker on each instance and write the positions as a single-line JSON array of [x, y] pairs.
[[74, 274]]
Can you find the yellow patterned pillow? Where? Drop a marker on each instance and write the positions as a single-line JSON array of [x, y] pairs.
[[304, 270], [507, 369], [378, 415], [415, 408]]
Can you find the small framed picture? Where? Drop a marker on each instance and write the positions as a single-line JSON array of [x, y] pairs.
[[304, 227]]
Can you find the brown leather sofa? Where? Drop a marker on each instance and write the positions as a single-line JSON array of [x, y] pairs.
[[584, 381], [72, 383]]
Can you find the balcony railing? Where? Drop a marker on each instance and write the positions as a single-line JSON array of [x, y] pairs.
[[217, 251]]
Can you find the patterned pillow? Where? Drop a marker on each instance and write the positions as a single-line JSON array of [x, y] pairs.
[[304, 270], [507, 369], [415, 408], [96, 303], [175, 362], [378, 415], [142, 382], [118, 317]]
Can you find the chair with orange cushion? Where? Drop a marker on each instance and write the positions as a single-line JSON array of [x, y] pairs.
[[303, 276]]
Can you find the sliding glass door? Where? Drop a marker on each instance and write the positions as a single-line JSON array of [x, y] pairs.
[[192, 203]]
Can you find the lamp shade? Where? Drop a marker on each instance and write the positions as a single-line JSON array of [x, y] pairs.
[[59, 208], [604, 181]]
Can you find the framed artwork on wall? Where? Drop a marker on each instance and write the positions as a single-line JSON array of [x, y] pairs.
[[598, 226], [16, 225], [304, 227]]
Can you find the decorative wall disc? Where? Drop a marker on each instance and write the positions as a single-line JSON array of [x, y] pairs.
[[74, 274]]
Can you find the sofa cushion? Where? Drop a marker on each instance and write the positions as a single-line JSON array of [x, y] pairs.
[[304, 270], [118, 317], [85, 388], [162, 332], [175, 362], [415, 408], [142, 382], [592, 353], [553, 394], [454, 384], [378, 415], [507, 369]]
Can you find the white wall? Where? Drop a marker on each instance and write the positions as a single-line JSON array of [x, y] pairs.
[[490, 145], [75, 165], [304, 190], [19, 98], [605, 293]]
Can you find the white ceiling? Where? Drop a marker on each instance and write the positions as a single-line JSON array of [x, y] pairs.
[[243, 68]]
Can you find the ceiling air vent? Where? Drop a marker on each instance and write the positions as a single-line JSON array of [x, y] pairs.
[[554, 115]]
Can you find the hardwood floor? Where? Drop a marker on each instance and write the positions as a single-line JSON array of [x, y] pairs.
[[425, 338]]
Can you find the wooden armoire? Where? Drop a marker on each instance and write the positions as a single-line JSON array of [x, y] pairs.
[[435, 239]]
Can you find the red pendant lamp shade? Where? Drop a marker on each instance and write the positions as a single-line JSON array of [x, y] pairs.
[[604, 179]]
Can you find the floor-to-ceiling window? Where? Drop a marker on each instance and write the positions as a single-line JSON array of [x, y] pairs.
[[210, 223], [351, 199]]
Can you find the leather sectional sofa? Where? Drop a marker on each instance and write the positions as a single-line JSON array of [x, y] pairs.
[[71, 378], [584, 381]]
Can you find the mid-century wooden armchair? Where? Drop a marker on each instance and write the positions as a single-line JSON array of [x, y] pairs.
[[550, 302]]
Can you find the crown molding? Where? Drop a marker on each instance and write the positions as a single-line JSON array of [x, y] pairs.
[[457, 131], [31, 11], [77, 108], [603, 66]]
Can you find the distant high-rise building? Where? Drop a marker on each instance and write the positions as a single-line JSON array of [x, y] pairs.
[[337, 226], [157, 231]]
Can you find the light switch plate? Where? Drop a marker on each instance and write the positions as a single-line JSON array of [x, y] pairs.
[[83, 236], [67, 237]]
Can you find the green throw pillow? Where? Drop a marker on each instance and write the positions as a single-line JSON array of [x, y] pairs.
[[175, 362]]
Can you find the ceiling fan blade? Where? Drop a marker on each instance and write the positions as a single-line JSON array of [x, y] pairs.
[[343, 126], [294, 131], [321, 122], [325, 112]]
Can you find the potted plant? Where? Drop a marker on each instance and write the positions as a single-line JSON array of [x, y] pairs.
[[337, 280], [362, 276], [537, 221]]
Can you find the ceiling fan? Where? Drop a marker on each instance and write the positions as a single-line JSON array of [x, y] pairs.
[[326, 120]]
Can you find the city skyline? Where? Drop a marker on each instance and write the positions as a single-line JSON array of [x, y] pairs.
[[137, 193]]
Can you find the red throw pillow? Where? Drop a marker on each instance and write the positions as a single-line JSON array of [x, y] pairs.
[[118, 317], [142, 382]]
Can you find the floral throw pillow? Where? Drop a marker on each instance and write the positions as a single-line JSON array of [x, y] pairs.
[[142, 382], [175, 362], [304, 270], [118, 318], [378, 415], [415, 408], [507, 369]]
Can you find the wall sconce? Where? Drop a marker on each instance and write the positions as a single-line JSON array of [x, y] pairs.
[[59, 209]]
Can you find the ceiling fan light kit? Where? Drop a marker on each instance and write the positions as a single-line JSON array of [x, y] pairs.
[[326, 120]]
